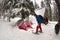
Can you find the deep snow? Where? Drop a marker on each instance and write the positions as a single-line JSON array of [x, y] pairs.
[[8, 31]]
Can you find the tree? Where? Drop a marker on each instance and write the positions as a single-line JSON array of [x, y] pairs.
[[48, 7], [58, 6], [6, 5], [26, 5], [57, 26], [28, 8]]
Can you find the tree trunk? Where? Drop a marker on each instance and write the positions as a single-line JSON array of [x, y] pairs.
[[47, 5], [58, 6], [57, 26]]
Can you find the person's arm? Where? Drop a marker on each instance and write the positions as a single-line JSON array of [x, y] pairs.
[[41, 16]]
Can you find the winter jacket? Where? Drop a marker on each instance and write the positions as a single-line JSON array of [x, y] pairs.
[[39, 19]]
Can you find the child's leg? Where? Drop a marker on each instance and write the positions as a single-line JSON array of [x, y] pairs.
[[37, 28], [40, 27]]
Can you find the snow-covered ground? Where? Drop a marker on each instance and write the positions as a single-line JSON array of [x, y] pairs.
[[8, 31]]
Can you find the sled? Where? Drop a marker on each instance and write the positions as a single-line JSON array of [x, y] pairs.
[[25, 25]]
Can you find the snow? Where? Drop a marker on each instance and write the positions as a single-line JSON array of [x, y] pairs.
[[40, 11], [8, 31]]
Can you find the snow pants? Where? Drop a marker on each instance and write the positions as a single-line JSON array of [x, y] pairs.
[[38, 27]]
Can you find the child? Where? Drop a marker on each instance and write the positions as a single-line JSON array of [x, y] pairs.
[[39, 20]]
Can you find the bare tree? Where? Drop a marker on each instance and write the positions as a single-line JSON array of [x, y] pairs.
[[57, 26], [58, 6], [48, 7]]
